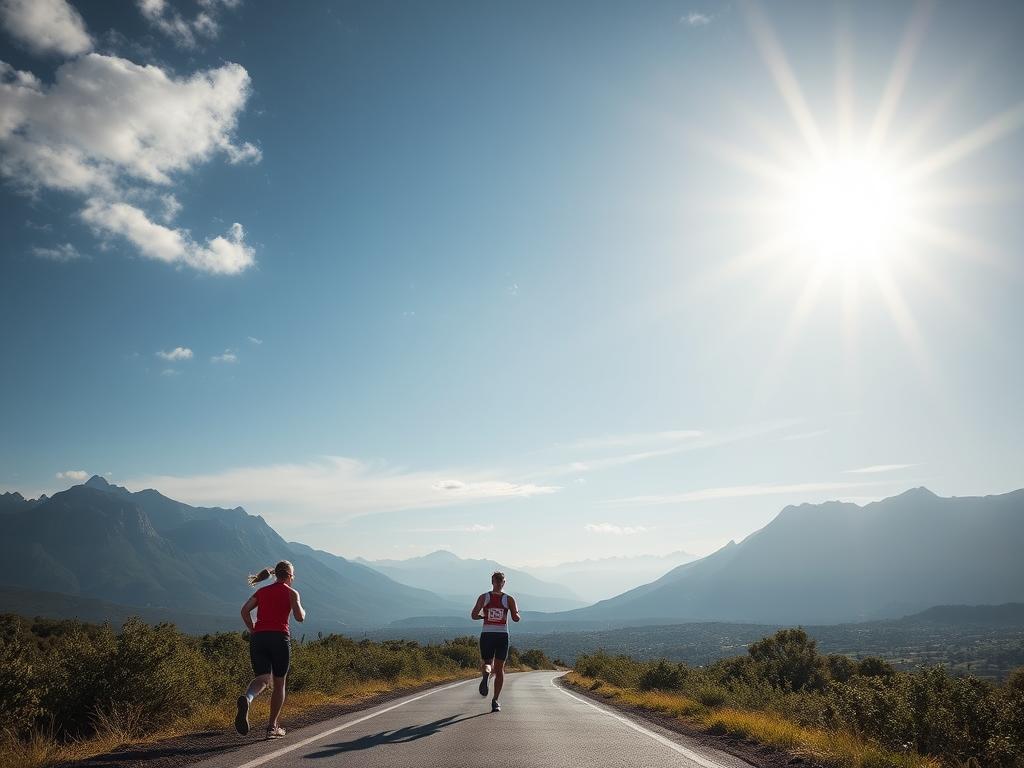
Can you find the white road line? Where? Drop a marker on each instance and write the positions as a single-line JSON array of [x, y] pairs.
[[284, 750], [694, 756]]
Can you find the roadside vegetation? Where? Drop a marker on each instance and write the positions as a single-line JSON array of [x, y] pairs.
[[69, 689], [826, 708]]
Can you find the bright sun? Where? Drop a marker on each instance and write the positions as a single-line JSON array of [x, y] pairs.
[[850, 208], [849, 213]]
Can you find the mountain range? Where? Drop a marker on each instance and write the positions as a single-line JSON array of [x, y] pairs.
[[143, 549], [840, 562], [98, 548]]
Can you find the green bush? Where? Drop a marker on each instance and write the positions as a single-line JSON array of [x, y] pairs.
[[21, 690], [663, 676], [959, 720], [789, 659], [75, 678], [536, 659]]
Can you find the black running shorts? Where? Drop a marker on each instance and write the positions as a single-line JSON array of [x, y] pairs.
[[269, 652], [494, 645]]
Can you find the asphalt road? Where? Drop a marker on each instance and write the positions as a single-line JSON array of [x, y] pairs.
[[541, 725]]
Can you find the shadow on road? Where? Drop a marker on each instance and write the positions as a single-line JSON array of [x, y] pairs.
[[401, 736]]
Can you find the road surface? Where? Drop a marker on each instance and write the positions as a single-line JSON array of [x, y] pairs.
[[541, 725]]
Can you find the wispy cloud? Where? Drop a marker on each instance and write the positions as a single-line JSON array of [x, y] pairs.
[[474, 528], [176, 354], [334, 488], [633, 439], [877, 468], [614, 530], [61, 253], [695, 19], [227, 356], [652, 444], [74, 475], [254, 340], [805, 435], [732, 492], [185, 32]]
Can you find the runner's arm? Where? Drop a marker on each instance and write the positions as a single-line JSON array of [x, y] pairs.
[[513, 608], [247, 612], [478, 612], [297, 610]]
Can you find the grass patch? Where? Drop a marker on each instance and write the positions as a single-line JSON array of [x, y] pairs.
[[839, 749]]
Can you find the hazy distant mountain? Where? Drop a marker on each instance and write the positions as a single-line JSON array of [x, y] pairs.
[[605, 577], [463, 580], [839, 562], [143, 549]]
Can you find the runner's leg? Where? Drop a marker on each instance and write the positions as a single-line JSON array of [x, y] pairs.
[[276, 700], [257, 686], [499, 676]]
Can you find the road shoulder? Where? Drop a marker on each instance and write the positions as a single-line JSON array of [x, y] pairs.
[[192, 748], [750, 751]]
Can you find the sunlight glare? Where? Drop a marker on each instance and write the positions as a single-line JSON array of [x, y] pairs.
[[849, 213]]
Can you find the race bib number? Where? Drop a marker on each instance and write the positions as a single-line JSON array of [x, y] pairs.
[[495, 614]]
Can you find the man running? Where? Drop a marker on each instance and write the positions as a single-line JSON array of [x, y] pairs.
[[494, 608]]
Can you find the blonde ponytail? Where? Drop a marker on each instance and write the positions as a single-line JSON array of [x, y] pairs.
[[282, 570], [261, 576]]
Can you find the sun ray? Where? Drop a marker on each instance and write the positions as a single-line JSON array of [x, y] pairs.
[[994, 129], [844, 87], [898, 76], [785, 80], [755, 164]]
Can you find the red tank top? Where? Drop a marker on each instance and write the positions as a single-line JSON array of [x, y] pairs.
[[495, 612], [273, 604]]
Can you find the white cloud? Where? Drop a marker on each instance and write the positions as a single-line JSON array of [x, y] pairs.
[[66, 252], [112, 130], [615, 530], [171, 207], [876, 468], [181, 30], [732, 492], [105, 117], [219, 255], [45, 26], [178, 353], [169, 372], [254, 340], [334, 489], [227, 357], [75, 475], [694, 19]]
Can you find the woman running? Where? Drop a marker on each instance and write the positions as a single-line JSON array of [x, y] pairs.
[[269, 649]]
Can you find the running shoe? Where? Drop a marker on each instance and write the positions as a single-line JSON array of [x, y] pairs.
[[483, 683], [275, 733], [495, 706], [242, 716]]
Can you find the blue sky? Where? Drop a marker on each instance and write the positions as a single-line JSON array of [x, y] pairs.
[[505, 278]]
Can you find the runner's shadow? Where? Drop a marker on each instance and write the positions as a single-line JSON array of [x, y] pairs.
[[401, 736]]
